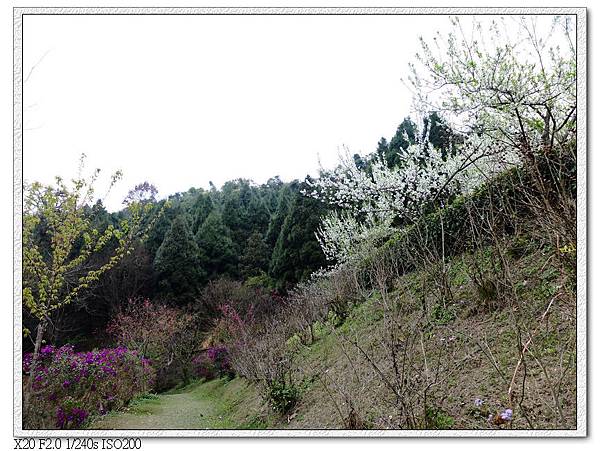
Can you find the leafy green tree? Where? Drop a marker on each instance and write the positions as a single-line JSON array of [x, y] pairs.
[[61, 243], [214, 241], [179, 264]]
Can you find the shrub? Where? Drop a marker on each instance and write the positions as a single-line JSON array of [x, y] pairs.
[[213, 363], [282, 396], [247, 299], [70, 386], [442, 315], [486, 290], [260, 353], [261, 281], [168, 336]]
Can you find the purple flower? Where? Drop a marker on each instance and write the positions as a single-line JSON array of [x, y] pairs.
[[27, 362], [507, 415], [109, 370], [479, 402], [79, 415], [81, 379], [47, 350], [61, 419]]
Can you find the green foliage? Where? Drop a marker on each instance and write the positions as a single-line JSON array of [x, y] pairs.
[[260, 281], [487, 291], [520, 246], [170, 210], [297, 252], [436, 418], [269, 193], [256, 256], [68, 245], [340, 309], [383, 148], [284, 199], [442, 315], [200, 210], [406, 134], [243, 211], [435, 130], [282, 396], [215, 244], [179, 264], [54, 223], [439, 134]]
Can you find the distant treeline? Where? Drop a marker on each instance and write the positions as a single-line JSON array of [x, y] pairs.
[[263, 235]]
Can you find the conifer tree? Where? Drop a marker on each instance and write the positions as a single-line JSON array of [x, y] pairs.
[[200, 210], [406, 135], [297, 252], [283, 207], [214, 241], [243, 212], [256, 256], [179, 264]]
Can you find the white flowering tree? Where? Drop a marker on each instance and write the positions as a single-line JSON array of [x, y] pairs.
[[368, 203], [508, 90], [512, 79]]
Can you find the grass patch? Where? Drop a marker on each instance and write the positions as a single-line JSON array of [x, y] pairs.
[[236, 404]]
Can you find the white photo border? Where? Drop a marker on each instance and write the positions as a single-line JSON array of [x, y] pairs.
[[582, 395]]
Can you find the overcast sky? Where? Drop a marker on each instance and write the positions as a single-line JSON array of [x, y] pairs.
[[183, 100]]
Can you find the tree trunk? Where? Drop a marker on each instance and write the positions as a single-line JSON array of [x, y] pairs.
[[34, 360]]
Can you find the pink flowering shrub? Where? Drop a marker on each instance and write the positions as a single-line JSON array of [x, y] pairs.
[[213, 363], [168, 336], [70, 386]]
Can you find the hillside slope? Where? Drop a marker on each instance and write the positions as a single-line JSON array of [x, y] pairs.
[[464, 356]]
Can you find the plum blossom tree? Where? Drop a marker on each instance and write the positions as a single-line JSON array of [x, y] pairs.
[[512, 80], [510, 94], [369, 203]]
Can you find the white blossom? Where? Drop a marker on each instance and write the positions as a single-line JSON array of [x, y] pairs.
[[369, 202], [510, 93]]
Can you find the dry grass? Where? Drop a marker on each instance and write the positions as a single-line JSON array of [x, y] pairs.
[[478, 349]]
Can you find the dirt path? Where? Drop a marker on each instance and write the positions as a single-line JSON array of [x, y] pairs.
[[187, 410]]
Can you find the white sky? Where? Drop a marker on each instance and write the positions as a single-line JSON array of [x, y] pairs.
[[181, 100]]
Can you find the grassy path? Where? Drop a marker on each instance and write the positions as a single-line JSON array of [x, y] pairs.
[[197, 406], [168, 411]]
